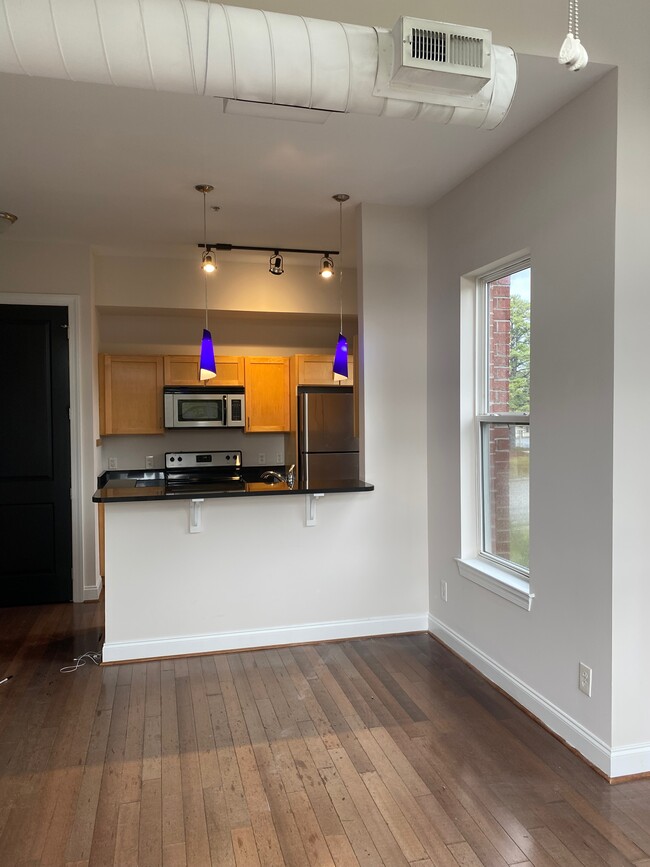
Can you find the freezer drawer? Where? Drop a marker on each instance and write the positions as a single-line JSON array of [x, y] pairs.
[[329, 467]]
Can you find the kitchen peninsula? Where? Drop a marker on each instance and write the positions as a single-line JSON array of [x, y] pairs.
[[209, 570]]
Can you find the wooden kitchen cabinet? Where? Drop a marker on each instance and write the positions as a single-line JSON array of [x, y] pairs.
[[130, 394], [317, 370], [184, 370], [267, 394]]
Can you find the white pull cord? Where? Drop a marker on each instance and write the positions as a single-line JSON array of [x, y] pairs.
[[573, 53]]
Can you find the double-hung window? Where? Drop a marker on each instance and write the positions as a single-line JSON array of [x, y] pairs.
[[499, 441]]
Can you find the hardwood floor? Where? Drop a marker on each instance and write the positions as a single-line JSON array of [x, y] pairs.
[[372, 752]]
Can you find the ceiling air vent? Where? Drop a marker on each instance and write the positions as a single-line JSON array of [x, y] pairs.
[[429, 57]]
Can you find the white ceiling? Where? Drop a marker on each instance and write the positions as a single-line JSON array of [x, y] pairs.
[[116, 167]]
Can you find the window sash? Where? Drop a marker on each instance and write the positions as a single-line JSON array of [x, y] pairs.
[[485, 493]]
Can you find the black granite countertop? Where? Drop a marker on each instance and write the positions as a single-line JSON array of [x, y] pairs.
[[128, 486]]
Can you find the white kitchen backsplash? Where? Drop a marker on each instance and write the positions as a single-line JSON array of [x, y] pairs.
[[130, 452]]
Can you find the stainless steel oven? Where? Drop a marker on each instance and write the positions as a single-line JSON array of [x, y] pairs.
[[198, 473], [204, 406]]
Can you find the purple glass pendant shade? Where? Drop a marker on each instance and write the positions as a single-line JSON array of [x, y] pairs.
[[208, 368], [340, 365]]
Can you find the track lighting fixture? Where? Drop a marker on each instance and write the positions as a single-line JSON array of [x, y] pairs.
[[207, 364], [326, 267], [276, 263]]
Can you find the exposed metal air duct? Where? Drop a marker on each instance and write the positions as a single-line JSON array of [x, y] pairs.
[[190, 46]]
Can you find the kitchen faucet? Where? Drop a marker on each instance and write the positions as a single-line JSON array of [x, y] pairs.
[[274, 474]]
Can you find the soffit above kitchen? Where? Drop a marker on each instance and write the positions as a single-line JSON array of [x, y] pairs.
[[115, 167]]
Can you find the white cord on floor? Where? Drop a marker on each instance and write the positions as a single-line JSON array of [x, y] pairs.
[[80, 661]]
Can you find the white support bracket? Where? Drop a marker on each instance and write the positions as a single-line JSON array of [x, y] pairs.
[[310, 509], [196, 516]]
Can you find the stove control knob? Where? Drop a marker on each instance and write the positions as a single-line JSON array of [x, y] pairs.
[[180, 460], [172, 459], [227, 457]]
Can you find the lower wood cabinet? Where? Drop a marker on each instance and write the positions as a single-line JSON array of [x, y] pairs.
[[130, 394], [267, 394], [184, 370]]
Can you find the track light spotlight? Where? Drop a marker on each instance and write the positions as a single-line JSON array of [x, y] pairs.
[[326, 267], [276, 263], [208, 261]]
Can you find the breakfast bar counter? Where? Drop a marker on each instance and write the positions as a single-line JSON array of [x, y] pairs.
[[149, 486], [199, 571]]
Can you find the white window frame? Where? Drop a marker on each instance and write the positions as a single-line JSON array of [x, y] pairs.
[[498, 575]]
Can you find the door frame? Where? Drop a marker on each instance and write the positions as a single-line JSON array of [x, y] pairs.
[[74, 342]]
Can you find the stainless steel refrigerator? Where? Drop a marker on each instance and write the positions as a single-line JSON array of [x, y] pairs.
[[327, 444]]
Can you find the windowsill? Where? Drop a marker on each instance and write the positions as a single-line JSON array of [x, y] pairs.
[[498, 580]]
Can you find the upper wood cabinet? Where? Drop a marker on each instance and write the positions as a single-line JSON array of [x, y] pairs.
[[317, 370], [267, 394], [184, 370], [130, 394]]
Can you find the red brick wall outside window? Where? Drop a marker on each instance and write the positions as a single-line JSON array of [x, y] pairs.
[[499, 401]]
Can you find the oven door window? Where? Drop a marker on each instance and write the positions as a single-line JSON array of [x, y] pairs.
[[193, 410]]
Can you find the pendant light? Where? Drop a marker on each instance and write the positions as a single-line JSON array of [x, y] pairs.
[[207, 365], [340, 365]]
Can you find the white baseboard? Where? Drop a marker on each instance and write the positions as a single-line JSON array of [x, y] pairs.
[[183, 645], [94, 591], [572, 732], [631, 760]]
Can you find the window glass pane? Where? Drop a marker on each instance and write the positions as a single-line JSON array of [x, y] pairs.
[[506, 458], [508, 300]]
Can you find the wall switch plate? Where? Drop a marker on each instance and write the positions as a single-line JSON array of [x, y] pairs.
[[112, 463], [261, 458], [584, 679], [443, 591], [148, 462]]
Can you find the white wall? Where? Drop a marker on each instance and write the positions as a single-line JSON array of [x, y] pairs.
[[631, 588], [553, 193], [68, 273]]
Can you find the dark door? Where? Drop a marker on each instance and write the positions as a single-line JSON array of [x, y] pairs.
[[35, 515]]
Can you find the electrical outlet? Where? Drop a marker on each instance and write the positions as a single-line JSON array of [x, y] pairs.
[[112, 463], [279, 458], [261, 458], [443, 591], [148, 462], [584, 679]]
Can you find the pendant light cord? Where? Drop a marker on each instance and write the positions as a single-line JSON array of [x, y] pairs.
[[341, 264], [205, 247]]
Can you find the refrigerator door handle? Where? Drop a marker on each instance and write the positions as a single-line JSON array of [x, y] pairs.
[[305, 426]]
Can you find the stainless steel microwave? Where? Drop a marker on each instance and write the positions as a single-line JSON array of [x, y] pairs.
[[204, 406]]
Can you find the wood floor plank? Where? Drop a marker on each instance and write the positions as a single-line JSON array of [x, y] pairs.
[[150, 829], [128, 829], [218, 826], [394, 817], [173, 831], [243, 841], [197, 847]]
